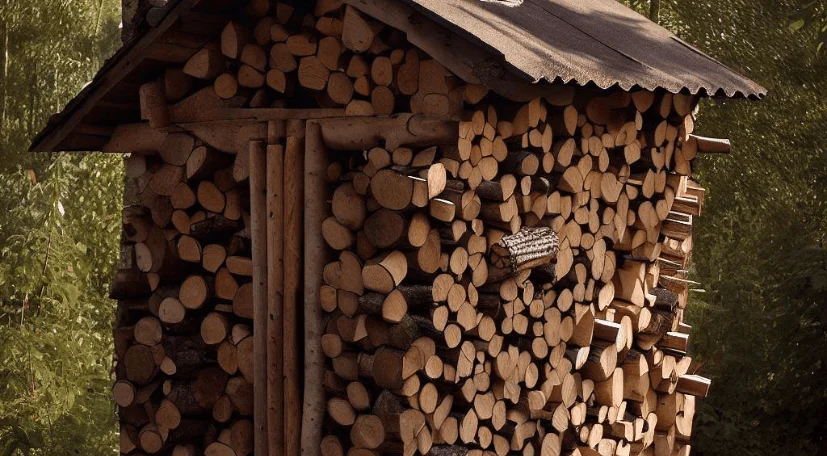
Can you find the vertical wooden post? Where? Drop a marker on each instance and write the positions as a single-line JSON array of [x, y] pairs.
[[315, 255], [275, 299], [258, 232], [293, 228]]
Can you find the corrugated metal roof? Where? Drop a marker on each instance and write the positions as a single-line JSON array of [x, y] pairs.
[[583, 42], [588, 41]]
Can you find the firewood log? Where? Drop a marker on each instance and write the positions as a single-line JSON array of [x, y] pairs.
[[205, 64]]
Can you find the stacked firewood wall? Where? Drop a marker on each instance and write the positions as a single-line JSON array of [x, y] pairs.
[[183, 340], [440, 343], [325, 56], [441, 337]]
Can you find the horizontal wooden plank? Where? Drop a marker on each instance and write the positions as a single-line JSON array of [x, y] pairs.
[[262, 114], [355, 133]]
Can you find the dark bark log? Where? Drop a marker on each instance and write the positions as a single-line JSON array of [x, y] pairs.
[[214, 229], [527, 249]]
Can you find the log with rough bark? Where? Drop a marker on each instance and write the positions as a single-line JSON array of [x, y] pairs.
[[525, 250], [258, 232]]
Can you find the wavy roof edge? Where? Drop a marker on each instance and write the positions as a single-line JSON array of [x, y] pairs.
[[597, 42], [550, 41]]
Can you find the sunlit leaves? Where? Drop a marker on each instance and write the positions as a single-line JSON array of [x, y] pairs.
[[58, 238], [760, 327]]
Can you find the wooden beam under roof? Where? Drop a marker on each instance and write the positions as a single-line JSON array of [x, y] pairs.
[[154, 48]]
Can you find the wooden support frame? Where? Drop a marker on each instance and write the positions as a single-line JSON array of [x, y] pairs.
[[230, 136], [260, 114], [293, 211], [346, 133], [315, 254], [258, 233], [275, 299], [352, 133], [289, 202]]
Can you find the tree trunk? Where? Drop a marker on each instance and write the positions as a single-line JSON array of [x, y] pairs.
[[4, 55], [654, 10]]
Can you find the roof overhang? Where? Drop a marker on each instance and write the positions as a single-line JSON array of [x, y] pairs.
[[599, 43], [111, 98], [485, 42]]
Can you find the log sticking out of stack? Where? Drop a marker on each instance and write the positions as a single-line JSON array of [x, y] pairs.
[[450, 329], [183, 338]]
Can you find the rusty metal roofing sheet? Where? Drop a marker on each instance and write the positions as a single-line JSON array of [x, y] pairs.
[[588, 41]]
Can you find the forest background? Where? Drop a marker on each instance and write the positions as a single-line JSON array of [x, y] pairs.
[[759, 308]]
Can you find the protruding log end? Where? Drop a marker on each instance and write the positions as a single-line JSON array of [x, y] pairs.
[[527, 249]]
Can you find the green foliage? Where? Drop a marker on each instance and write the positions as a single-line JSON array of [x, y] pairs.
[[812, 14], [58, 237], [56, 263], [760, 253], [760, 242]]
